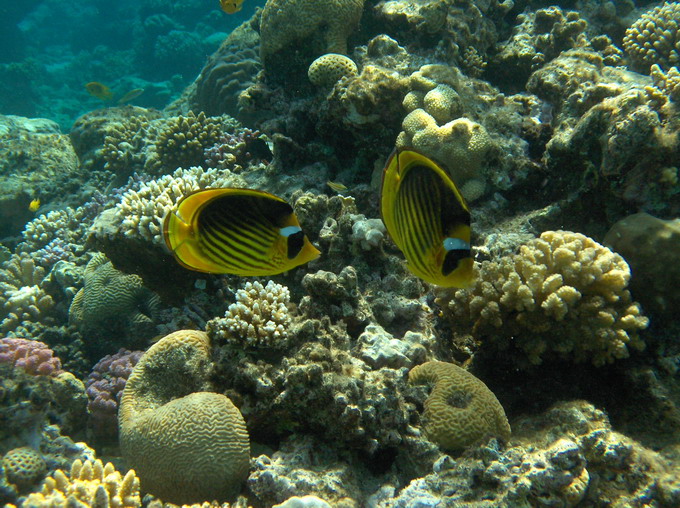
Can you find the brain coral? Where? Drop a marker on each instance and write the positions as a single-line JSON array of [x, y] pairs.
[[258, 318], [562, 294], [24, 467], [187, 445], [329, 68], [655, 37], [113, 302], [460, 410], [89, 484], [285, 22]]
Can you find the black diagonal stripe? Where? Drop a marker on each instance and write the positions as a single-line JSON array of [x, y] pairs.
[[226, 252], [240, 223], [234, 234]]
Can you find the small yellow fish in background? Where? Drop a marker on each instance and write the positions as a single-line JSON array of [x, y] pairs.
[[99, 90], [132, 94], [337, 187], [428, 219], [231, 6], [34, 205], [239, 231]]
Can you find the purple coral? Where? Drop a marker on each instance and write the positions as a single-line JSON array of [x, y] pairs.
[[241, 147], [104, 387], [34, 357]]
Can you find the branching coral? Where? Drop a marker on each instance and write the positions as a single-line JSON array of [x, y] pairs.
[[89, 484], [563, 294], [259, 318], [655, 37]]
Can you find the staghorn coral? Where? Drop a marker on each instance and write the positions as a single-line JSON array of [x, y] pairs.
[[655, 38], [104, 387], [238, 151], [187, 444], [460, 410], [259, 318], [112, 303], [563, 294], [328, 69], [89, 483], [24, 467], [32, 356]]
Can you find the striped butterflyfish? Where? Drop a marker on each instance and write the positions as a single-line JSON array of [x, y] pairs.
[[428, 218], [239, 231]]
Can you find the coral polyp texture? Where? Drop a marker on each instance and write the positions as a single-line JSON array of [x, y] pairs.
[[260, 317], [329, 68], [32, 356], [563, 294], [89, 483], [187, 444], [655, 37], [460, 410], [24, 467]]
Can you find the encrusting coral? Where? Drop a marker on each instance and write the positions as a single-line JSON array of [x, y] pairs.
[[187, 444], [562, 294], [460, 410], [654, 37], [259, 318], [90, 483]]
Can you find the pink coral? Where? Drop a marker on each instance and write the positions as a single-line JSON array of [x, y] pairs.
[[104, 388], [35, 357]]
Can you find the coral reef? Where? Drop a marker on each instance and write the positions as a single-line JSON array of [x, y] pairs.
[[104, 387], [562, 281], [32, 356], [461, 410], [112, 303], [259, 318], [654, 38], [89, 483], [187, 444]]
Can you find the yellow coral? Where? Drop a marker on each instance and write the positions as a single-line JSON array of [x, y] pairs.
[[655, 37], [287, 21], [461, 410], [187, 444], [563, 293], [329, 68], [89, 484], [24, 466]]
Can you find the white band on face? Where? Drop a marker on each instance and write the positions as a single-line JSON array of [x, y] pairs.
[[455, 244], [289, 230]]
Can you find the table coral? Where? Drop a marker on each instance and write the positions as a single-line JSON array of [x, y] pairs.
[[563, 294], [34, 357], [89, 483], [187, 444], [259, 318], [655, 37], [460, 410], [112, 302]]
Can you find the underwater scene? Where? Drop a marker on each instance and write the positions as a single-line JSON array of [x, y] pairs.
[[339, 253]]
